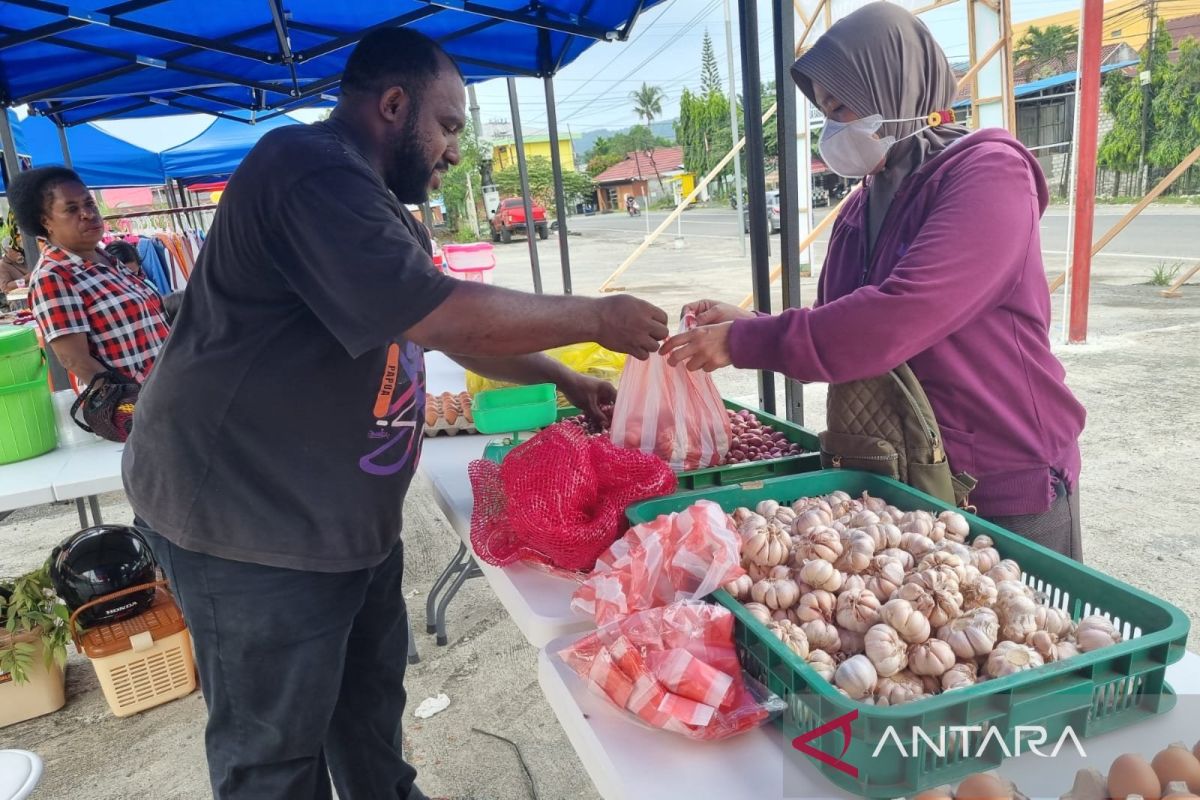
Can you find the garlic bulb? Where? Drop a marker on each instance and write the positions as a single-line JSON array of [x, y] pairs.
[[1095, 632], [888, 577], [821, 575], [1053, 621], [757, 572], [739, 587], [978, 593], [809, 520], [883, 535], [779, 614], [982, 541], [876, 504], [822, 635], [852, 643], [918, 595], [985, 558], [916, 543], [898, 689], [767, 508], [792, 635], [759, 612], [856, 676], [885, 649], [816, 605], [905, 558], [751, 524], [972, 635], [947, 563], [932, 657], [857, 610], [912, 625], [858, 550], [1017, 611], [769, 546], [1006, 570], [917, 522], [840, 504], [1008, 590], [823, 663], [823, 543], [775, 593], [957, 527], [853, 583], [739, 516], [959, 676], [956, 548], [947, 605], [1045, 643], [1009, 658], [863, 518], [1064, 650], [785, 516]]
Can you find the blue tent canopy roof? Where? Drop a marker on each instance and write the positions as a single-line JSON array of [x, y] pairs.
[[1054, 81], [101, 159], [218, 149], [95, 60]]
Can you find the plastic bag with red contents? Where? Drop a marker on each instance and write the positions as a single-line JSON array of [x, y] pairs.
[[671, 412], [675, 668], [560, 498], [682, 556]]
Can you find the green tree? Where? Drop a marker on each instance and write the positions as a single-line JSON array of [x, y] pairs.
[[1175, 109], [647, 104], [703, 131], [1121, 147], [598, 163], [454, 184], [710, 76], [541, 182], [1047, 50]]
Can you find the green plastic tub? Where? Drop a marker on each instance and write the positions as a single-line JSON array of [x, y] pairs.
[[20, 355], [27, 425], [515, 409], [1090, 694]]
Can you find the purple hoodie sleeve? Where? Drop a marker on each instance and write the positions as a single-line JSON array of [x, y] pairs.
[[967, 257]]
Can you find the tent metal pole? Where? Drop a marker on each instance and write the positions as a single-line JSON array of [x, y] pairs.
[[12, 165], [756, 179], [790, 204], [526, 199], [560, 201], [738, 201], [66, 149]]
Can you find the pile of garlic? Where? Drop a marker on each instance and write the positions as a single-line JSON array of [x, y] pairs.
[[891, 606]]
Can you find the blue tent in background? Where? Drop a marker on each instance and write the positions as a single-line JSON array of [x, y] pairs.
[[18, 139], [102, 160], [219, 148]]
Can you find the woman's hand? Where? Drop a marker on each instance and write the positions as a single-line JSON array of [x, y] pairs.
[[711, 312], [705, 347], [592, 396]]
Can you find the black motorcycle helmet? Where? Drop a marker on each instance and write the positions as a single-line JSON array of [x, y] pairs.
[[99, 561]]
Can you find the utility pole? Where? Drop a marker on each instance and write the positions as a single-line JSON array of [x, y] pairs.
[[733, 129], [1146, 78], [491, 196]]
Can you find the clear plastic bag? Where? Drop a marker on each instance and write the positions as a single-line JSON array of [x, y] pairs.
[[671, 412], [683, 556], [674, 668]]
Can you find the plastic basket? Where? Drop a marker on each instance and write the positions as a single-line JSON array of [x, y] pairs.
[[1092, 693], [45, 691], [469, 262], [27, 425], [520, 408], [143, 661]]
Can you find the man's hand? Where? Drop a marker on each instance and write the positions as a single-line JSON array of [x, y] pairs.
[[592, 396], [712, 312], [629, 325], [705, 347]]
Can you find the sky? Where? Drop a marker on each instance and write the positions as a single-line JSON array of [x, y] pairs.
[[593, 92]]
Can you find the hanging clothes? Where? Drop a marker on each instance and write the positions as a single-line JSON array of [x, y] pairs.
[[153, 266]]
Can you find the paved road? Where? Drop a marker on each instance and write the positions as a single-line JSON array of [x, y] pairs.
[[1166, 234]]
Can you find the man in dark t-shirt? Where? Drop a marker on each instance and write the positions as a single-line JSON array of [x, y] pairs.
[[278, 434]]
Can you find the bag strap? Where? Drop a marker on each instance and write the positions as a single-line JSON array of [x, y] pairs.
[[906, 380]]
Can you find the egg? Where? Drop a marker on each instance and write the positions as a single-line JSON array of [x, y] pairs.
[[1132, 774], [1177, 764], [983, 787]]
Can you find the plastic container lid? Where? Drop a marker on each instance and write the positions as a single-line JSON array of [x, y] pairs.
[[17, 339], [161, 620]]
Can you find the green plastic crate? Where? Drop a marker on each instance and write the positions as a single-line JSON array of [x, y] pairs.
[[1093, 693], [518, 408], [756, 470]]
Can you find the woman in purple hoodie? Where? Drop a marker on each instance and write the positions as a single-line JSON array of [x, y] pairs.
[[936, 263]]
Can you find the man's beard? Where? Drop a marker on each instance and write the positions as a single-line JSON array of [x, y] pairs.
[[409, 175]]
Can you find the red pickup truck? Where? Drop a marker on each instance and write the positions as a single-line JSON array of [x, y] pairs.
[[510, 218]]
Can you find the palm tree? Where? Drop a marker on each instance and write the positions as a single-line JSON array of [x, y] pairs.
[[1047, 50], [647, 104]]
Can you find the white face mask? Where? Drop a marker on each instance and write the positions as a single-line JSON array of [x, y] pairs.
[[852, 150]]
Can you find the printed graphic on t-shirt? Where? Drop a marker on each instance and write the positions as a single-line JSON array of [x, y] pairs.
[[398, 411]]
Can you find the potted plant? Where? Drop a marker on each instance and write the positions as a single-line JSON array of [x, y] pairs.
[[34, 632]]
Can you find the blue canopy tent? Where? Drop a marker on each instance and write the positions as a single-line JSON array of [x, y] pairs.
[[103, 161], [218, 149]]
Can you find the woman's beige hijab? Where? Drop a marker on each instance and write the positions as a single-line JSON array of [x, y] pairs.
[[883, 60]]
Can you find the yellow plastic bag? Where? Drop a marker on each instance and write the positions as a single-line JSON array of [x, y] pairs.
[[587, 358]]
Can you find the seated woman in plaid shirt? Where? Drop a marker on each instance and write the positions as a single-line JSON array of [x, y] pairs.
[[94, 314]]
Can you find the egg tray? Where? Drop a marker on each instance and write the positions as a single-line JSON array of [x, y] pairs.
[[1091, 693], [449, 414]]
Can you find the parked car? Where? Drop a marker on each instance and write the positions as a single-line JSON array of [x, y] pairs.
[[510, 219], [772, 214]]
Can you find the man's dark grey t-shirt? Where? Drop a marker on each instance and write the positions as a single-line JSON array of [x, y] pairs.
[[282, 422]]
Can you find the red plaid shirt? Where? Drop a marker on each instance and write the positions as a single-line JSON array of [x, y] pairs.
[[121, 315]]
